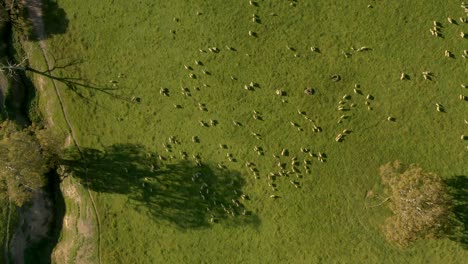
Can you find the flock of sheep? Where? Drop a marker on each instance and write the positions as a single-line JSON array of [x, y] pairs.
[[288, 166]]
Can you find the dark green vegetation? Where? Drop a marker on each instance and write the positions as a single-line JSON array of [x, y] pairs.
[[318, 213], [23, 165]]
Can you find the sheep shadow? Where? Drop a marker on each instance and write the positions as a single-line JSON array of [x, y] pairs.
[[177, 192], [458, 191]]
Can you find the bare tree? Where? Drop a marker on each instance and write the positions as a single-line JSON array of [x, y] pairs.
[[11, 68]]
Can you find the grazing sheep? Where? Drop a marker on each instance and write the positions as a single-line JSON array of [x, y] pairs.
[[335, 77], [390, 118], [403, 76], [236, 123], [309, 91], [192, 76], [346, 54], [284, 152], [279, 93], [315, 49], [451, 20], [363, 49], [463, 34], [448, 54], [462, 97], [274, 196], [164, 91], [248, 87], [188, 67], [249, 164]]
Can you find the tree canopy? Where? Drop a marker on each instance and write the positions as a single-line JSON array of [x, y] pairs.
[[23, 162], [419, 201]]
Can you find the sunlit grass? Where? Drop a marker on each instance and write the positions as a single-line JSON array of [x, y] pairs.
[[323, 221]]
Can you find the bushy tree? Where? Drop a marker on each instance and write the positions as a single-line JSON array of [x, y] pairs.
[[23, 162], [419, 202]]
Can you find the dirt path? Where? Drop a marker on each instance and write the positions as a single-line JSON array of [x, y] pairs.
[[35, 14]]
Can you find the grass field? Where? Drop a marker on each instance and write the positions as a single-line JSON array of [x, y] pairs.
[[151, 211]]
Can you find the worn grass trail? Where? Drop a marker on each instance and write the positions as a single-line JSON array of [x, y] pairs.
[[143, 47], [36, 15]]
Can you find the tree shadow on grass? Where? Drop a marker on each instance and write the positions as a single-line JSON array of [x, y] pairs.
[[458, 190], [179, 192], [46, 15]]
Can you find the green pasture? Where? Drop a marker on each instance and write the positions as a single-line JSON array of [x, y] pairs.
[[151, 210]]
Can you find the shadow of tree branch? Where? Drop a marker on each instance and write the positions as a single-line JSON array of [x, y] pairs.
[[178, 192], [74, 84]]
